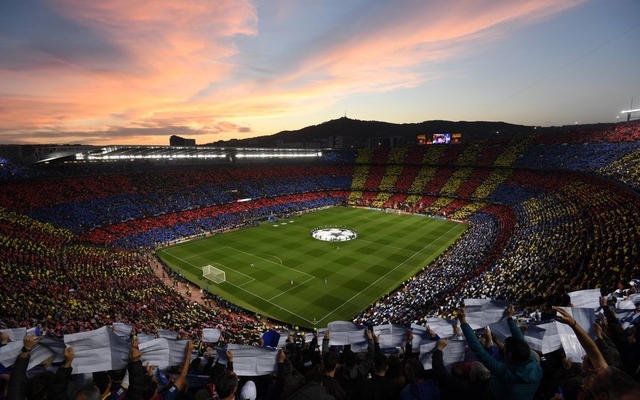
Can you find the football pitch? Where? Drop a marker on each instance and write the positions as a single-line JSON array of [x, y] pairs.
[[279, 270]]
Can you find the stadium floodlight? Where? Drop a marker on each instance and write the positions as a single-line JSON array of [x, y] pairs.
[[213, 274]]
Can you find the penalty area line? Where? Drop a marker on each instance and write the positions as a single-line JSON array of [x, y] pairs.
[[271, 302]]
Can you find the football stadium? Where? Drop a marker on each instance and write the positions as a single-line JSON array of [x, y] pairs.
[[234, 248]]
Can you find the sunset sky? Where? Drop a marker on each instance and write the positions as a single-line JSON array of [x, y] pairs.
[[136, 72]]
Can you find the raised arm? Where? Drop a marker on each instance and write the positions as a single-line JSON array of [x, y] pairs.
[[432, 334], [594, 354], [325, 341], [408, 347], [474, 344], [229, 356], [182, 378], [136, 372], [17, 386], [513, 325], [58, 388], [438, 367]]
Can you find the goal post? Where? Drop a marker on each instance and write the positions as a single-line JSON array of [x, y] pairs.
[[213, 274]]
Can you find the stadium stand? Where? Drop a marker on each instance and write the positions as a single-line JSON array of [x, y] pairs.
[[548, 214]]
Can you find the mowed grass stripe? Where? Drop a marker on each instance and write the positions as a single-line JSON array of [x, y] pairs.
[[390, 249]]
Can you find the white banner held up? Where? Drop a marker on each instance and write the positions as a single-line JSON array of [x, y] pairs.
[[97, 350], [155, 352], [342, 333], [453, 353], [588, 298], [251, 360], [391, 336], [483, 312]]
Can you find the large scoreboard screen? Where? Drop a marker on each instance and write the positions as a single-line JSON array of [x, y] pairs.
[[439, 138]]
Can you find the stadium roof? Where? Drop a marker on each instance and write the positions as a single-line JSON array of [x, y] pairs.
[[45, 153]]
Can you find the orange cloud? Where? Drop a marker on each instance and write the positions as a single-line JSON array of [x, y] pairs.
[[176, 65], [168, 51]]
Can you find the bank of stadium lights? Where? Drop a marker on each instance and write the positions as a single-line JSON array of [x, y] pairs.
[[146, 157], [209, 156], [278, 155], [105, 156], [630, 111]]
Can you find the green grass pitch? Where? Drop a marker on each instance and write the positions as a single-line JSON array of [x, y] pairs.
[[389, 249]]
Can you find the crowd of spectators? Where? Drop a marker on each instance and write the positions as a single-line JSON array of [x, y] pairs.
[[168, 228], [550, 208], [493, 367], [573, 233], [81, 204], [51, 283]]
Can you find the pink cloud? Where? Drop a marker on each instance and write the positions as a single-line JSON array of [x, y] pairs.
[[170, 52], [395, 47], [391, 48]]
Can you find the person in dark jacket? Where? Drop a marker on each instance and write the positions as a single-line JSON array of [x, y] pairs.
[[137, 372], [312, 389], [288, 379], [519, 377], [17, 387], [454, 388], [52, 385], [330, 364], [215, 371], [419, 387], [227, 385], [355, 367], [378, 387]]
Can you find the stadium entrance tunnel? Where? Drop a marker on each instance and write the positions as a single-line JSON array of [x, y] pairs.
[[334, 234]]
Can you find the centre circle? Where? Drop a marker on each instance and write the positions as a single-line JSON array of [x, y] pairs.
[[334, 234]]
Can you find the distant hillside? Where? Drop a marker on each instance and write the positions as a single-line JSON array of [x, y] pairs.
[[373, 129], [362, 130]]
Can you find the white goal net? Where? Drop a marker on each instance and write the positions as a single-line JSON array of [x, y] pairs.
[[213, 274]]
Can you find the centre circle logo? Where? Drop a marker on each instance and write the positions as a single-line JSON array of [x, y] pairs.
[[334, 234]]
